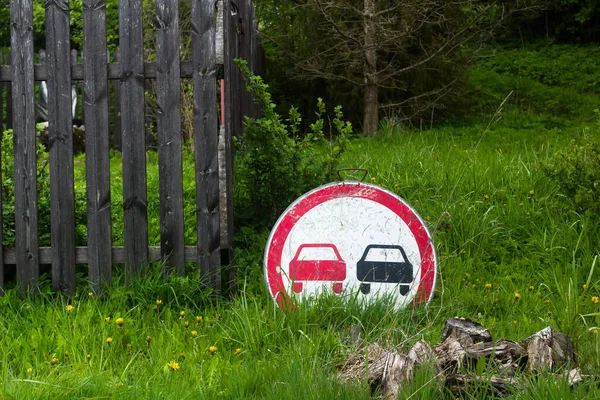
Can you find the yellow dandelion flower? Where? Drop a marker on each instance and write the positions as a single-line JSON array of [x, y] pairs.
[[531, 288], [70, 308], [428, 218], [107, 319], [109, 340], [54, 361], [396, 186], [119, 321], [416, 201], [373, 179], [238, 351], [194, 333], [515, 322], [89, 356], [488, 286], [173, 365], [547, 301], [148, 339], [182, 314], [531, 192], [91, 294], [595, 299], [159, 302], [486, 197], [517, 295], [584, 286], [29, 370], [186, 324], [460, 203], [198, 318], [212, 349]]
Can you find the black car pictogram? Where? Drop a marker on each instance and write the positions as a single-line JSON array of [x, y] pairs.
[[384, 263]]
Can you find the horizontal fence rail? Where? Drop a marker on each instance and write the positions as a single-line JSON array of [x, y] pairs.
[[108, 93], [113, 71]]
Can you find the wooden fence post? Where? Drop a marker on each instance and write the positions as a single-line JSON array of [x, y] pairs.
[[229, 53], [60, 143], [9, 114], [169, 135], [135, 207], [206, 136], [1, 230], [23, 112], [117, 138], [97, 148]]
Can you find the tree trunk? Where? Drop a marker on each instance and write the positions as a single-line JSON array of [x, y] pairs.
[[370, 96]]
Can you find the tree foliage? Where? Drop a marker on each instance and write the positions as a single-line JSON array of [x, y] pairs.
[[276, 162], [563, 20], [411, 53]]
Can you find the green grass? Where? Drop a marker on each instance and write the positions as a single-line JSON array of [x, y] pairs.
[[501, 228]]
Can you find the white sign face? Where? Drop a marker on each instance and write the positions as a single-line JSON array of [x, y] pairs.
[[350, 238]]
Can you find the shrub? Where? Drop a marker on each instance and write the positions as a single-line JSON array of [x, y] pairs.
[[576, 170], [43, 191], [275, 162], [8, 192]]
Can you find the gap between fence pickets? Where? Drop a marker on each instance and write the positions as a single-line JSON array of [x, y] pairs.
[[119, 256], [114, 73]]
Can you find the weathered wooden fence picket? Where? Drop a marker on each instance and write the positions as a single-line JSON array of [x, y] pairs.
[[120, 84]]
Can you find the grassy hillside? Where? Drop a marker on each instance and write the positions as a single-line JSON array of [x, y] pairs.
[[515, 253]]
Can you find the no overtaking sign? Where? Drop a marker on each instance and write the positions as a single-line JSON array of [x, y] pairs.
[[351, 237]]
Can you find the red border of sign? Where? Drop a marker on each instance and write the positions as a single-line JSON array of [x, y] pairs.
[[324, 193]]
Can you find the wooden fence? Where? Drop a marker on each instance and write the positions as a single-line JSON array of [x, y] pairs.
[[125, 77]]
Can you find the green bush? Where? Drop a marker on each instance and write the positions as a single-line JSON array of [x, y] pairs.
[[43, 191], [8, 192], [275, 162], [576, 170]]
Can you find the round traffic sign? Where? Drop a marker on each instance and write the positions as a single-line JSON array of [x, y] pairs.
[[351, 237]]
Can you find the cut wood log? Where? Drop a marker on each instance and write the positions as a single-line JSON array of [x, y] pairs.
[[460, 384], [549, 349], [421, 352], [574, 376], [450, 355], [465, 331], [389, 372], [506, 355], [540, 355], [464, 344]]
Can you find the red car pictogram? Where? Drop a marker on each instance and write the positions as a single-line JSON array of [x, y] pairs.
[[318, 262]]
